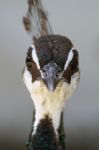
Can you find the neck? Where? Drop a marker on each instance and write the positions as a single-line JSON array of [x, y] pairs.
[[48, 103], [45, 137], [48, 133]]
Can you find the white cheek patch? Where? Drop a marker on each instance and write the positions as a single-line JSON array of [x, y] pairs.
[[34, 56], [27, 79], [69, 59]]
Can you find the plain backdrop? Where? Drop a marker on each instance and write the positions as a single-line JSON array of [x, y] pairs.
[[76, 19]]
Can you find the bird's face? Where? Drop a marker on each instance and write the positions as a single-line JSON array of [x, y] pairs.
[[51, 76], [52, 59]]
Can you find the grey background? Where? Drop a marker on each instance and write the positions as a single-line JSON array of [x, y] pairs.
[[78, 20]]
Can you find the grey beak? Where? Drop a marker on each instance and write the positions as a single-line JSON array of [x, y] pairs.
[[50, 83], [51, 73]]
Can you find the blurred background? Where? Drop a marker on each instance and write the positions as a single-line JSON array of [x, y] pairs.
[[78, 20]]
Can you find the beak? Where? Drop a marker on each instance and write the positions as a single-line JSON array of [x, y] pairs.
[[51, 83], [51, 74]]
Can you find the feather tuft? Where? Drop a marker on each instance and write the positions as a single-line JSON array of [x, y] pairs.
[[36, 21]]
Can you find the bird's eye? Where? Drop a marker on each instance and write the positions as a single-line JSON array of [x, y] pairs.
[[29, 65], [74, 62], [28, 59], [29, 62], [73, 65]]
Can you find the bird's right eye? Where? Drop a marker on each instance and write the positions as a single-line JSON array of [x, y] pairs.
[[29, 62]]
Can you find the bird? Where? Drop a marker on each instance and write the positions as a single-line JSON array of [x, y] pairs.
[[51, 76]]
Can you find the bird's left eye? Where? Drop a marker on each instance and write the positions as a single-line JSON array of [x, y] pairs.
[[73, 65], [74, 62]]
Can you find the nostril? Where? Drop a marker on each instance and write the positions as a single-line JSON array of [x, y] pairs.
[[56, 75], [59, 71], [45, 75]]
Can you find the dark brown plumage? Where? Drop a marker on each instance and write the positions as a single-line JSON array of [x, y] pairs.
[[31, 66], [52, 48]]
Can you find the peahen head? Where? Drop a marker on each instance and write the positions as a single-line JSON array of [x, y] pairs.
[[51, 76]]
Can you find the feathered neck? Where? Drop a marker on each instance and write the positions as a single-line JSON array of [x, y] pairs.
[[45, 137]]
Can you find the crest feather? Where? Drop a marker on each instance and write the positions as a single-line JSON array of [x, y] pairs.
[[36, 22]]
